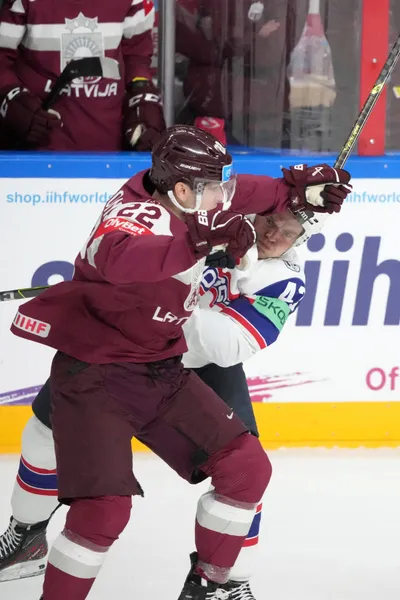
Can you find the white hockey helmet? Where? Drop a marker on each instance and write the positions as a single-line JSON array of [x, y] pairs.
[[311, 222]]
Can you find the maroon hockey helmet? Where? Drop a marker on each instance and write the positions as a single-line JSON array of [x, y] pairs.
[[192, 156]]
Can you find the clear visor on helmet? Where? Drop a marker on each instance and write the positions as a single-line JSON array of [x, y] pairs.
[[211, 193]]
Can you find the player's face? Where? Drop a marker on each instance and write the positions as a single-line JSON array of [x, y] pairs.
[[276, 233]]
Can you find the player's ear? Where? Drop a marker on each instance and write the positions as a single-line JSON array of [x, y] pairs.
[[183, 194]]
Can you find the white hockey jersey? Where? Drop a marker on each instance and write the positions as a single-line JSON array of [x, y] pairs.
[[242, 311]]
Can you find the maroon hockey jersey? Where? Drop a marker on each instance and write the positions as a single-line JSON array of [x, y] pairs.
[[39, 37], [136, 280]]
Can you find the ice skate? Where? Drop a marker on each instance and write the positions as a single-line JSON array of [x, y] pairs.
[[23, 550], [198, 588]]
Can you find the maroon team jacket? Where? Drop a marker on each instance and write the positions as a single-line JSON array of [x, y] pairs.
[[39, 37], [136, 280]]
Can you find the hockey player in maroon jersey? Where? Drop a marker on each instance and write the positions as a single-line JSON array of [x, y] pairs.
[[260, 188], [38, 39], [117, 327]]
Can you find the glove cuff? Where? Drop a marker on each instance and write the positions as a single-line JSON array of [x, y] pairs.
[[297, 180], [140, 83]]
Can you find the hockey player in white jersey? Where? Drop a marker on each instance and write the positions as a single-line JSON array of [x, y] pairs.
[[241, 312], [270, 270]]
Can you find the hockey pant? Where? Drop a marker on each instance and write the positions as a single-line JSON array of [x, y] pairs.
[[35, 492]]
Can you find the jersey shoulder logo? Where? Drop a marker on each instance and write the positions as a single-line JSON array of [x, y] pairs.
[[292, 266]]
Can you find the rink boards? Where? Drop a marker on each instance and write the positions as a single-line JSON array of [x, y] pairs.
[[333, 377], [289, 424]]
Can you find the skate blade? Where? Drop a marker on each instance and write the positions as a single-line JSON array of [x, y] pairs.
[[23, 570]]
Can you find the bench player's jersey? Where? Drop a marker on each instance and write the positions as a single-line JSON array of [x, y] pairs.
[[242, 311], [136, 280], [39, 37]]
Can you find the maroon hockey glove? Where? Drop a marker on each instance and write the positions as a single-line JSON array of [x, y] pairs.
[[22, 114], [143, 115], [311, 189], [220, 228]]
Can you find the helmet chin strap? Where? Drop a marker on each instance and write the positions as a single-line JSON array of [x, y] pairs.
[[226, 203], [184, 209]]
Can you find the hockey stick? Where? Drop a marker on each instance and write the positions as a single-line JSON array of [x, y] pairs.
[[345, 152], [93, 66], [22, 293]]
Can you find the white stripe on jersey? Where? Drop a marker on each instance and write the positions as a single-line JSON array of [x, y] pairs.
[[44, 38], [139, 23], [11, 35]]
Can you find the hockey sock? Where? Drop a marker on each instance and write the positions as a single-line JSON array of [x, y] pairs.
[[243, 568], [92, 525], [35, 491], [240, 474]]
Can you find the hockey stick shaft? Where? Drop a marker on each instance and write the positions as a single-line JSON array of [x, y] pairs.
[[369, 104], [22, 293]]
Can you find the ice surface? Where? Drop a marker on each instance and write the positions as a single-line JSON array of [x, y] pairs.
[[331, 530]]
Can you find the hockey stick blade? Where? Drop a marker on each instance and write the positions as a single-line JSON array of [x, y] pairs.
[[110, 68], [92, 66]]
